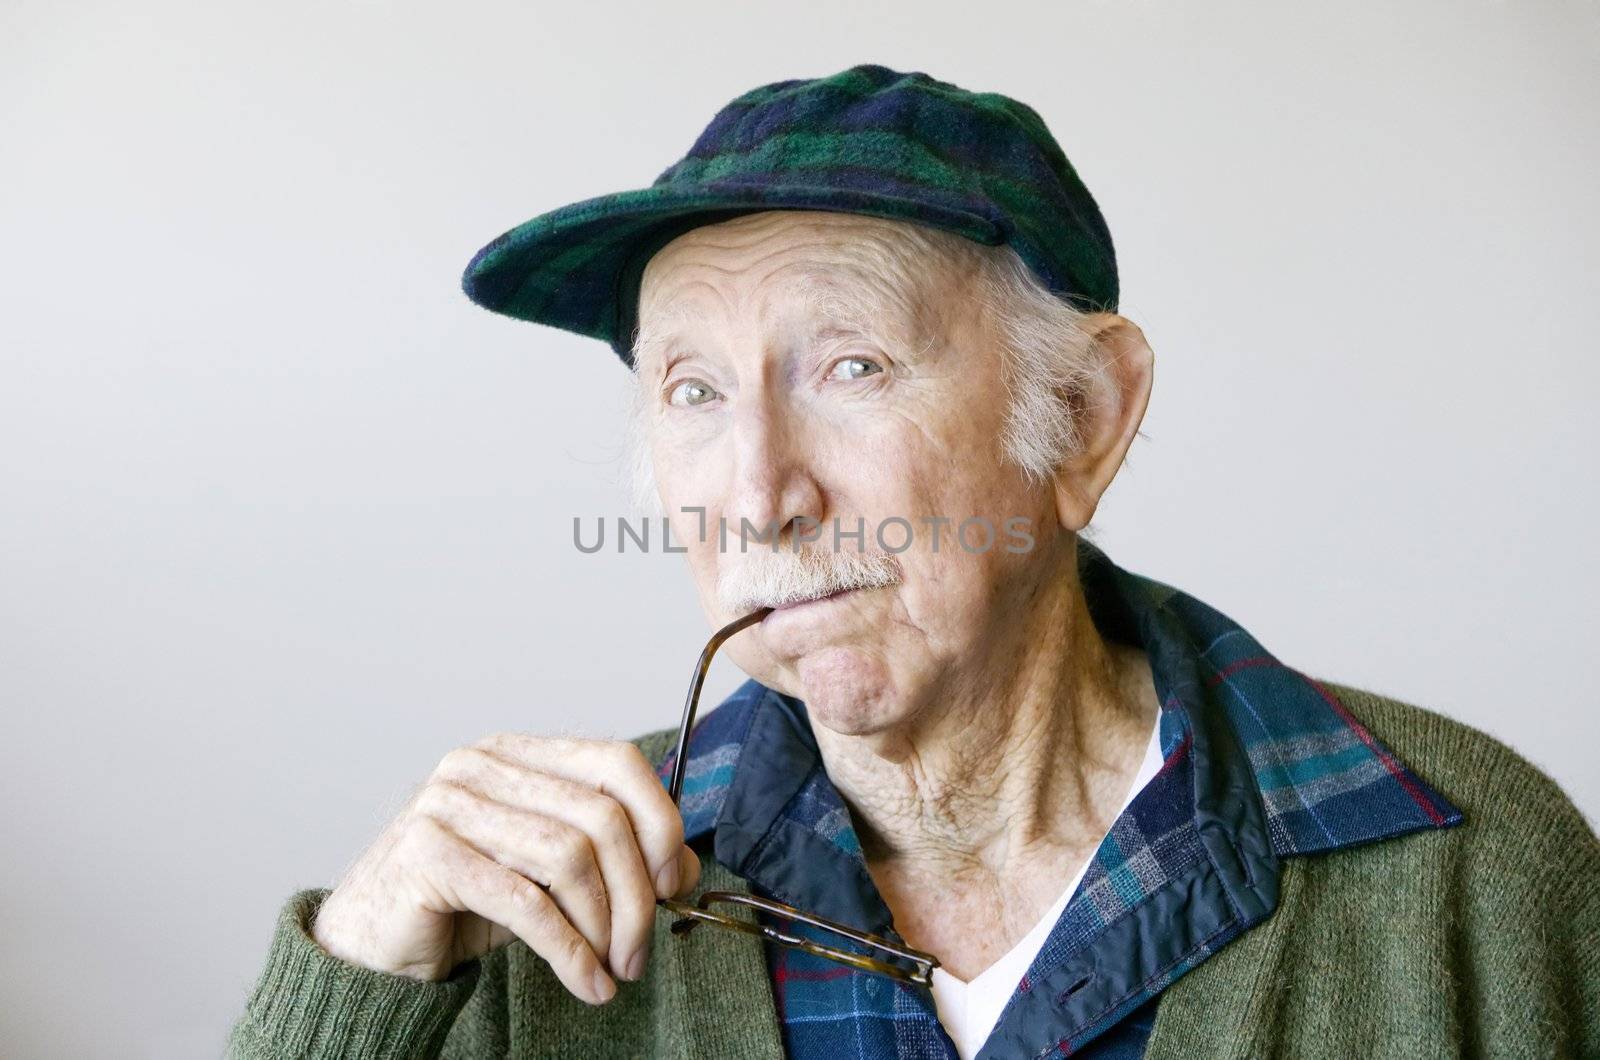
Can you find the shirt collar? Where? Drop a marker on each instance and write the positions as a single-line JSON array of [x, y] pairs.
[[1321, 779]]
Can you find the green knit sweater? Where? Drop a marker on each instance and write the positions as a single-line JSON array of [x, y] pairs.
[[1481, 940]]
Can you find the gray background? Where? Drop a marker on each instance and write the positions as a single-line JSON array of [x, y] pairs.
[[283, 517]]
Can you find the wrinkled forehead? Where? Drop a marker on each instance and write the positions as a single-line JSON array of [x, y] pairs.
[[793, 275]]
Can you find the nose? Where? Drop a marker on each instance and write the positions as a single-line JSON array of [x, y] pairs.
[[773, 486]]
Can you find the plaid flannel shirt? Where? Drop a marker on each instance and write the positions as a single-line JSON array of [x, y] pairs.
[[1261, 763]]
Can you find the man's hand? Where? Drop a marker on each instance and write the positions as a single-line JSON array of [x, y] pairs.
[[564, 843]]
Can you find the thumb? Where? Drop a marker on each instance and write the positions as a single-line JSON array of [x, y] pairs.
[[688, 871]]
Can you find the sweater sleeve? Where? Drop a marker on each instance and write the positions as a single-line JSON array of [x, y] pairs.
[[308, 1003], [1568, 916], [1519, 894]]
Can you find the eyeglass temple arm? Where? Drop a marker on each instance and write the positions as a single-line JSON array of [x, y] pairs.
[[689, 915], [925, 961], [791, 913], [692, 700]]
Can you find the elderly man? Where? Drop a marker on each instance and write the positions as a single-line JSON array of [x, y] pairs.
[[987, 793]]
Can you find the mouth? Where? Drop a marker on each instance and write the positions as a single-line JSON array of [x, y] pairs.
[[781, 612]]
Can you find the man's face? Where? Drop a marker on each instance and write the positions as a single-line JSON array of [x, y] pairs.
[[768, 405]]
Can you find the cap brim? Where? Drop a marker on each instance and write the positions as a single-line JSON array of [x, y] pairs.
[[578, 267]]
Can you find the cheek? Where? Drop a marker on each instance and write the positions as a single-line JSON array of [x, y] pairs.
[[686, 533], [916, 468], [686, 453], [690, 488], [950, 597], [881, 477], [693, 539], [704, 563]]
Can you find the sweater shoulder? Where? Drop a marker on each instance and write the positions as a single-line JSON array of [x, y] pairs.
[[1477, 938], [1504, 798]]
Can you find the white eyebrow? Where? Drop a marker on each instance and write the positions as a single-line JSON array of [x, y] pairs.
[[659, 331], [853, 304]]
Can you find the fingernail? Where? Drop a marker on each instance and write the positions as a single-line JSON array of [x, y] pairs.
[[635, 967], [604, 988], [667, 879]]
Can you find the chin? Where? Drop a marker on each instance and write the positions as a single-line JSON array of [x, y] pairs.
[[846, 690]]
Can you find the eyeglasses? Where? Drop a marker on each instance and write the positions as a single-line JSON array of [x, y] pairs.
[[700, 913]]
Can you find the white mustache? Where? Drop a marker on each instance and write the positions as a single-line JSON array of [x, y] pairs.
[[765, 578]]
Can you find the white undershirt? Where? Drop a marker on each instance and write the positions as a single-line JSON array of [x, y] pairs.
[[969, 1010]]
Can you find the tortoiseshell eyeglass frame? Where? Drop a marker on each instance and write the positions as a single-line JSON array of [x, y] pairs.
[[923, 964]]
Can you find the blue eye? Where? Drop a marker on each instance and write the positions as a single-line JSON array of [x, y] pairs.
[[691, 392], [855, 368]]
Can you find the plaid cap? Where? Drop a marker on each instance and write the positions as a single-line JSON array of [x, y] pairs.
[[867, 140]]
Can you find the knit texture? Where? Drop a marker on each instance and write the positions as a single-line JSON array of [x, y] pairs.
[[1255, 755], [1483, 939], [1480, 940]]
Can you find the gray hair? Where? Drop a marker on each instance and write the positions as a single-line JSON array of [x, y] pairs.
[[1054, 367]]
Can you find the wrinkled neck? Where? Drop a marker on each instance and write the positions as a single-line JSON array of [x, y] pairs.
[[1029, 751]]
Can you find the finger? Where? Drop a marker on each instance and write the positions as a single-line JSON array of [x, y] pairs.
[[688, 871], [619, 769], [630, 892], [545, 850], [465, 879]]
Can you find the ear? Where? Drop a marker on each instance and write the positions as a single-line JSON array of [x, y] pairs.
[[1107, 421]]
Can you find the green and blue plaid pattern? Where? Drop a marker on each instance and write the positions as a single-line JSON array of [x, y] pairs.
[[867, 140], [1185, 869]]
